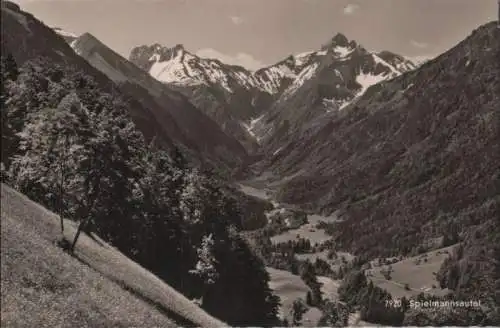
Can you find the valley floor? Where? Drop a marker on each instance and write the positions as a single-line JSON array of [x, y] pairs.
[[410, 276]]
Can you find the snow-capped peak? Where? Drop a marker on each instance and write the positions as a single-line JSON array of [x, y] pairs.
[[176, 65], [339, 41]]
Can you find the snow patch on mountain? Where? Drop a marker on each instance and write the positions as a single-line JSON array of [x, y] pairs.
[[301, 59], [332, 104], [250, 128], [277, 151], [306, 74], [62, 32], [367, 80], [173, 71], [379, 60], [154, 57], [343, 51]]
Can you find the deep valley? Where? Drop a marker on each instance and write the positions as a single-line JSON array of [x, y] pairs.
[[337, 187]]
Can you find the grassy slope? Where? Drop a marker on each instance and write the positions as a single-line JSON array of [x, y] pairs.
[[289, 287], [415, 272], [42, 286]]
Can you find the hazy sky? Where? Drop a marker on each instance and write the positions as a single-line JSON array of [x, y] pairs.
[[259, 32]]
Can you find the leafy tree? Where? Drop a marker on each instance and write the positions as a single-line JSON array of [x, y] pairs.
[[241, 295], [47, 160], [206, 267], [163, 231], [81, 155], [445, 316], [9, 73], [352, 287], [334, 314]]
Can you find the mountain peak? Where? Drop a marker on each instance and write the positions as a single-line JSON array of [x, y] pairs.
[[164, 52], [85, 44], [88, 37], [179, 47], [339, 40]]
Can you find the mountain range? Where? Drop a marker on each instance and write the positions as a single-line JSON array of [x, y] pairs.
[[238, 98], [402, 154], [254, 107]]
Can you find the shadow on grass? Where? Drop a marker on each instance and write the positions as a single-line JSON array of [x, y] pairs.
[[65, 244], [177, 318], [97, 241]]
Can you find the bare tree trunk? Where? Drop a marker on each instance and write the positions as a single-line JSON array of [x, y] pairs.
[[78, 232], [62, 224], [61, 202], [87, 215], [61, 185]]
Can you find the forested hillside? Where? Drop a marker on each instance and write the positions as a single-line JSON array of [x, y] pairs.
[[413, 166], [72, 147], [157, 111]]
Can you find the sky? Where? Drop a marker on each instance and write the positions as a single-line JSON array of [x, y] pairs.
[[256, 33]]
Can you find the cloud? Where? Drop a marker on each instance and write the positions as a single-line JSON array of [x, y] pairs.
[[241, 59], [236, 20], [350, 8], [420, 45]]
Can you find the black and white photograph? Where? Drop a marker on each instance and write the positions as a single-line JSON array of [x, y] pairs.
[[250, 163]]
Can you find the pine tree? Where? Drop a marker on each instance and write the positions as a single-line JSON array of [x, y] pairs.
[[308, 275], [309, 300], [297, 311]]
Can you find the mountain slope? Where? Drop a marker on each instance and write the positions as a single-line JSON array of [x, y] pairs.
[[411, 157], [200, 130], [226, 93], [27, 38], [239, 99], [328, 80], [67, 36], [158, 112], [97, 287]]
